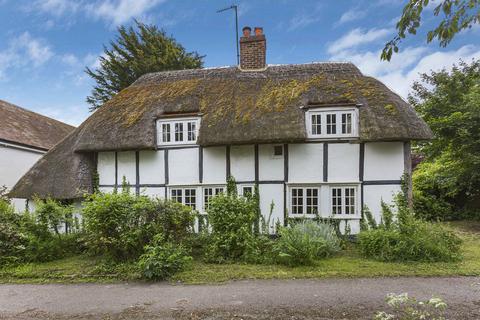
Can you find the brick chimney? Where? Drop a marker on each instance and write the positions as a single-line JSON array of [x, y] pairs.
[[253, 49]]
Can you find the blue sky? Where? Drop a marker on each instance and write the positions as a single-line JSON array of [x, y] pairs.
[[46, 44]]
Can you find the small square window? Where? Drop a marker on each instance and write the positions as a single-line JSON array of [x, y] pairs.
[[247, 191], [277, 151]]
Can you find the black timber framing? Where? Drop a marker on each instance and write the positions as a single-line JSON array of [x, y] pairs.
[[381, 182], [325, 162]]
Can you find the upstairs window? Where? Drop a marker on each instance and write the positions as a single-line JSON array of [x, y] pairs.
[[332, 123], [177, 131]]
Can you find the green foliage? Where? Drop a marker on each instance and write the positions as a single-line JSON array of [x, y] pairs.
[[231, 218], [162, 259], [305, 242], [403, 307], [119, 225], [50, 215], [407, 238], [449, 178], [457, 15], [135, 52], [12, 240]]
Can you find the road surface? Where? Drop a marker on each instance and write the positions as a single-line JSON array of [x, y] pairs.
[[253, 299]]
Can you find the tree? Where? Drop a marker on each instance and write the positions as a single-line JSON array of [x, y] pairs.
[[449, 101], [457, 16], [135, 52]]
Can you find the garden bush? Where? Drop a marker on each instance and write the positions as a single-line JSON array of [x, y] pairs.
[[232, 219], [119, 225], [406, 238], [304, 242], [162, 259], [12, 240]]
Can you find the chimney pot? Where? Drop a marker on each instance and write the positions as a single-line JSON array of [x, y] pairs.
[[246, 31], [258, 31]]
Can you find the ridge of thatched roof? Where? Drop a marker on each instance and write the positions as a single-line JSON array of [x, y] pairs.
[[237, 107], [25, 127]]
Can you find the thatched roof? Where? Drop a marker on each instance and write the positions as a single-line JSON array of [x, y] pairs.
[[238, 107], [24, 127]]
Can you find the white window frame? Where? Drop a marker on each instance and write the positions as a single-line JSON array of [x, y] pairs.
[[214, 189], [173, 122], [183, 196], [304, 201], [356, 198], [240, 190], [338, 112]]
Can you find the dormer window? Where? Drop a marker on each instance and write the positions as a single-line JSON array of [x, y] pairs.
[[338, 122], [177, 131]]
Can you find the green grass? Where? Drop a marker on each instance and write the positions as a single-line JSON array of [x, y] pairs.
[[348, 263]]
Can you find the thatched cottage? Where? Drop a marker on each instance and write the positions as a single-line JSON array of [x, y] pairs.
[[317, 138], [25, 136]]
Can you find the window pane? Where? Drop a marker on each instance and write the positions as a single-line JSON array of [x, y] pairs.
[[331, 123], [336, 201], [166, 132], [178, 131], [349, 200], [312, 201], [176, 195], [191, 133], [190, 198], [316, 124], [297, 201], [247, 191], [346, 123], [207, 194]]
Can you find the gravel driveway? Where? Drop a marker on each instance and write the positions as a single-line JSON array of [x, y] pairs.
[[254, 299]]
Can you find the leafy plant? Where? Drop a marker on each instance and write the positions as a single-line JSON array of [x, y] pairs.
[[407, 238], [304, 242], [12, 240], [162, 259], [403, 307]]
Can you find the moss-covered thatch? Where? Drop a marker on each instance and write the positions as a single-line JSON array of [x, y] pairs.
[[243, 107]]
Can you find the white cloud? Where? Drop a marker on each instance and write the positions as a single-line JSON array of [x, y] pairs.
[[58, 7], [357, 37], [24, 51], [120, 11], [305, 18], [407, 65], [352, 15]]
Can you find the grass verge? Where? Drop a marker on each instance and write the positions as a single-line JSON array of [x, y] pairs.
[[348, 263]]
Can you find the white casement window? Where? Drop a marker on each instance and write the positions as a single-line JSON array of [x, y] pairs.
[[332, 123], [177, 131], [304, 201], [246, 190], [208, 193], [185, 196], [343, 200]]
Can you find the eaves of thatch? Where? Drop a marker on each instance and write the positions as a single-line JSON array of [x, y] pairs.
[[237, 107]]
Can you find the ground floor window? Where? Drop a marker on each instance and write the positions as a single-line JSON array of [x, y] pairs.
[[343, 200], [186, 196], [304, 200], [208, 193]]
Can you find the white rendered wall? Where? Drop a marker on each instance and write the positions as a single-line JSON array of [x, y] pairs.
[[14, 163], [127, 167], [152, 167], [383, 161], [269, 193], [373, 195], [106, 168], [214, 165], [343, 162], [183, 166], [153, 192], [270, 167], [242, 163], [305, 162]]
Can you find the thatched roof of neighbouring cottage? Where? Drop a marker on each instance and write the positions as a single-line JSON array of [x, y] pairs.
[[30, 129], [237, 107]]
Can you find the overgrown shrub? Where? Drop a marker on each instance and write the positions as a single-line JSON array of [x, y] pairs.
[[51, 215], [304, 242], [162, 259], [403, 237], [119, 225], [12, 240], [232, 220]]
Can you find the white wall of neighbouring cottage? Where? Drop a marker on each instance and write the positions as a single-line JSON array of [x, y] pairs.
[[305, 162], [106, 168], [14, 163], [127, 167], [271, 167], [384, 161], [214, 165], [242, 162]]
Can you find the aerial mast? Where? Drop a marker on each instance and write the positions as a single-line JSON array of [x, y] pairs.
[[235, 8]]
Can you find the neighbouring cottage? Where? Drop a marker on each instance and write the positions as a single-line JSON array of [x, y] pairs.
[[317, 138], [24, 137]]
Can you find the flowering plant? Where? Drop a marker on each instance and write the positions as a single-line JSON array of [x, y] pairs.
[[404, 307]]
